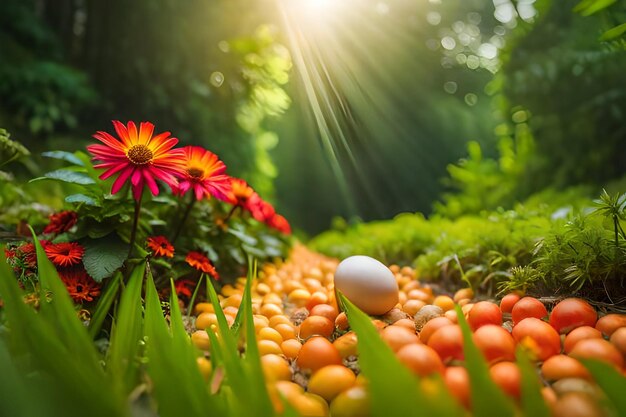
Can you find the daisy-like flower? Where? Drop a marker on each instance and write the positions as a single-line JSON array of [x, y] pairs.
[[240, 192], [139, 157], [160, 246], [61, 222], [200, 262], [80, 285], [281, 224], [65, 254], [204, 175]]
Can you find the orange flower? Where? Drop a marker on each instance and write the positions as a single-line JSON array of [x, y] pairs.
[[80, 285], [240, 192], [61, 222], [65, 253], [204, 174], [138, 157], [279, 223], [160, 246], [200, 262]]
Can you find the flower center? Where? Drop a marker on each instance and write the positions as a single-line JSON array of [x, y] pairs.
[[139, 154], [195, 172]]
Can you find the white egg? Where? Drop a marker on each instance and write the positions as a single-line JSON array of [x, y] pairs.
[[367, 283]]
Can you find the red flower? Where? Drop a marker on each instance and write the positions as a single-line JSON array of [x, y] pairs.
[[65, 254], [61, 222], [204, 175], [200, 262], [160, 246], [79, 284], [138, 157], [261, 210], [281, 224], [184, 287], [28, 255]]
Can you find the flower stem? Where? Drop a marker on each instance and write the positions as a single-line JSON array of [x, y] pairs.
[[230, 213], [133, 233], [183, 220]]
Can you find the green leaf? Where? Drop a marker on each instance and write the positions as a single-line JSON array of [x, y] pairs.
[[258, 387], [104, 304], [614, 32], [104, 256], [611, 382], [243, 236], [589, 7], [126, 333], [533, 403], [64, 156], [487, 399], [65, 175], [82, 198]]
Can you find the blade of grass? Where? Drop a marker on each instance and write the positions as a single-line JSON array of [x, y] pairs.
[[611, 382], [126, 334], [16, 392], [533, 403], [73, 374], [178, 386], [486, 398], [104, 304], [233, 366], [394, 389], [252, 359], [187, 354], [193, 297]]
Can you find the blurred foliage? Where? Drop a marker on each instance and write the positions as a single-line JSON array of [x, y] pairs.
[[40, 93], [68, 66], [482, 183], [572, 88]]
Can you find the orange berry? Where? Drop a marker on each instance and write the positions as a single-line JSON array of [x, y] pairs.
[[563, 366], [275, 367], [316, 353], [324, 310], [432, 325], [267, 333], [270, 310], [346, 345], [341, 322], [205, 367], [201, 340], [278, 319], [411, 307], [316, 325], [291, 348], [446, 303], [420, 359], [331, 380], [463, 294], [287, 331], [269, 346], [397, 337], [508, 377]]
